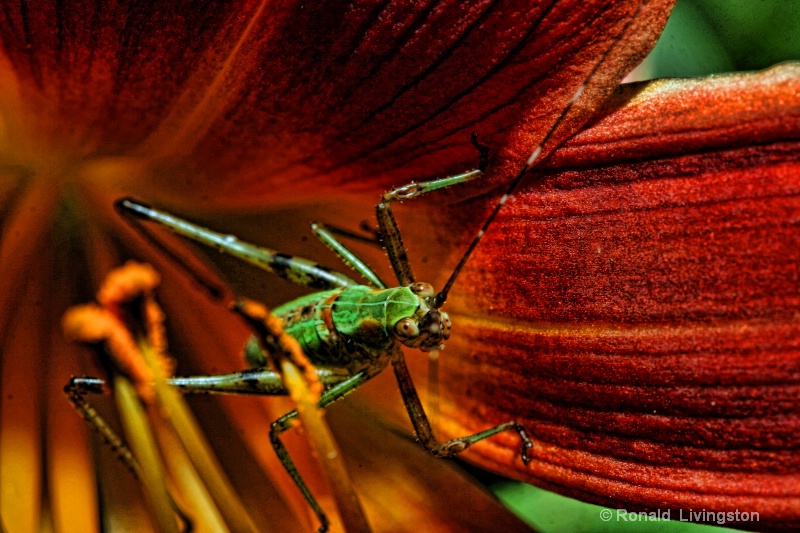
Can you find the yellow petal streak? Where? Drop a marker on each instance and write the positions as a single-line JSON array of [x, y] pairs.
[[177, 413], [143, 445], [21, 435]]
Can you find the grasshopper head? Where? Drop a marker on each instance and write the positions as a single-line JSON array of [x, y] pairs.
[[428, 327]]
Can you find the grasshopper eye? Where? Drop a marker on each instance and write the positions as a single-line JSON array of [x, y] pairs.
[[407, 329], [423, 289]]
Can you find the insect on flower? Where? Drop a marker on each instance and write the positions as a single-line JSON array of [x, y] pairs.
[[350, 332]]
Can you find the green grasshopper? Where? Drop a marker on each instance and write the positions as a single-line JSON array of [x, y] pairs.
[[351, 332]]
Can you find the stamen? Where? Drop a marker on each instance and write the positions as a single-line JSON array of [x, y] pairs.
[[130, 326], [92, 324], [157, 335], [127, 283], [143, 444], [270, 329], [302, 382]]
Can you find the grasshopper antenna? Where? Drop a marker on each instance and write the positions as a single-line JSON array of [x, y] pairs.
[[442, 296], [133, 212]]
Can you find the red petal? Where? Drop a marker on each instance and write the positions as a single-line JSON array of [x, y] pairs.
[[636, 306], [405, 489], [382, 96], [234, 103], [238, 102]]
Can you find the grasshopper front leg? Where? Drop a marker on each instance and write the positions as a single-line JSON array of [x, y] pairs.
[[423, 427], [390, 232]]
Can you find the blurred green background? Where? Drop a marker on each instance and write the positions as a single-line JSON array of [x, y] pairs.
[[708, 36], [702, 37]]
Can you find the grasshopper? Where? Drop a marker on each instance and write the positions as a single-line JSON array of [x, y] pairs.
[[350, 332]]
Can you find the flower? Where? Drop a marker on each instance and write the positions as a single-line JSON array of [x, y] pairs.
[[253, 107], [648, 273]]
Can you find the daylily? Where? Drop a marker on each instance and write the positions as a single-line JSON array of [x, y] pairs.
[[633, 304]]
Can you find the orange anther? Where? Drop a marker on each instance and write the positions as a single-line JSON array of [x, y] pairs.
[[127, 282]]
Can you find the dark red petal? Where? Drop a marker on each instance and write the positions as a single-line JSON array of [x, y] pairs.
[[235, 102], [378, 96], [402, 487], [636, 305]]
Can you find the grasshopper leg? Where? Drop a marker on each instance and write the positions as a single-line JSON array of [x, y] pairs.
[[260, 381], [368, 235], [390, 232], [76, 390], [296, 270], [335, 393], [392, 240], [423, 427], [327, 235]]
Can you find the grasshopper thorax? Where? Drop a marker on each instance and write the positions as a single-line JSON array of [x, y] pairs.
[[377, 318], [427, 327]]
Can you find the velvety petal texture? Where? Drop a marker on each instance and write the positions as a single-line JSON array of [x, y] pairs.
[[235, 102], [636, 305]]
